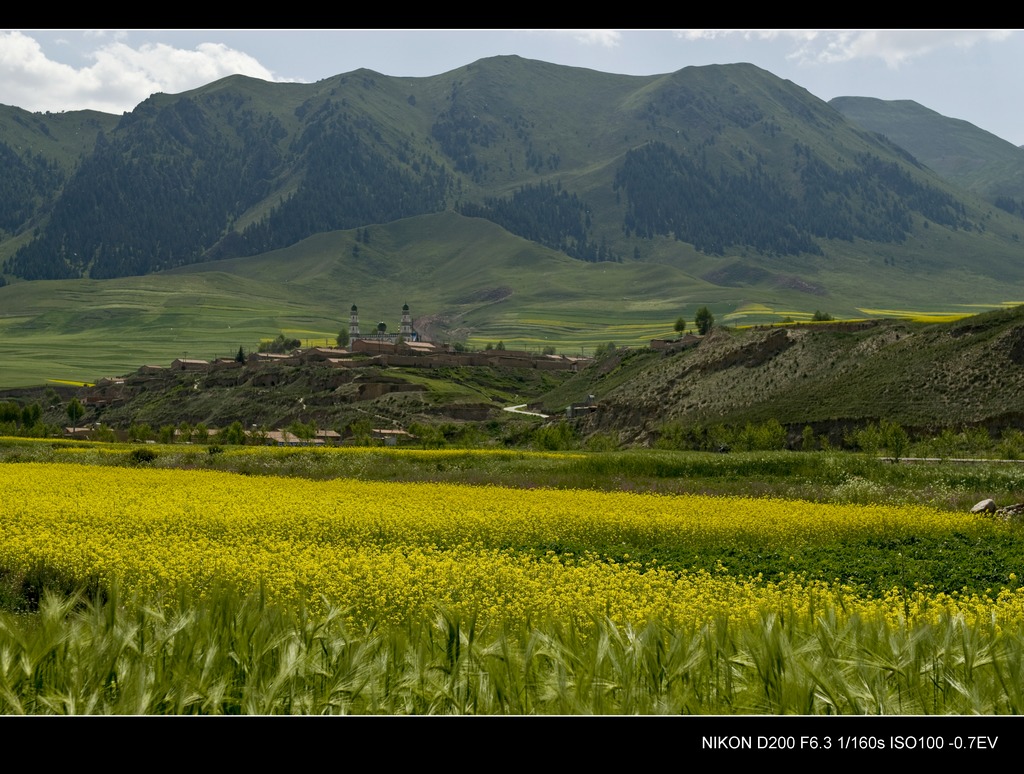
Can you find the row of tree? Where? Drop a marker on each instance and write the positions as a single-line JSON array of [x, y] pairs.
[[548, 215], [703, 321], [774, 210], [27, 419]]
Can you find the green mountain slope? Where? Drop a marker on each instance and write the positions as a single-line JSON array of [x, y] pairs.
[[726, 161], [38, 152], [506, 200], [958, 150], [832, 376], [466, 280]]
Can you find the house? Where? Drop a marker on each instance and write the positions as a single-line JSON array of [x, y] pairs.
[[390, 437]]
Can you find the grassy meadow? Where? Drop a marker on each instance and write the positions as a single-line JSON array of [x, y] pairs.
[[465, 279], [200, 579]]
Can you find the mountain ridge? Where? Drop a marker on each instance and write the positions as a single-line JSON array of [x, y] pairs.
[[969, 156], [246, 166], [736, 189]]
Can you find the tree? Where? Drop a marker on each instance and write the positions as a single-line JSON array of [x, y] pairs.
[[75, 412], [820, 316], [896, 439], [807, 440], [32, 414], [680, 325], [343, 337], [240, 355], [304, 431], [140, 431], [185, 431], [429, 436], [361, 431], [234, 434], [704, 320], [104, 433], [281, 344]]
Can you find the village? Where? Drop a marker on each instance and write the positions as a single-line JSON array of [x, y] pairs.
[[360, 368]]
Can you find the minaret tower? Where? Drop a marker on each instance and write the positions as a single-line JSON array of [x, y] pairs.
[[353, 323], [405, 331]]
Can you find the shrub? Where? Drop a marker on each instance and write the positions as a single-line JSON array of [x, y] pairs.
[[280, 345], [555, 437], [602, 442], [142, 456], [140, 431], [807, 439]]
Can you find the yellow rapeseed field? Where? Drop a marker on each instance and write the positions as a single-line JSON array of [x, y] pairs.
[[388, 551]]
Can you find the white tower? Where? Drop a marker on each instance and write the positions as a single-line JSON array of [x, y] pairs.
[[353, 323], [405, 331]]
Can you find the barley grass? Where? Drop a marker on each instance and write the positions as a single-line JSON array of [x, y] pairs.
[[231, 654], [147, 590]]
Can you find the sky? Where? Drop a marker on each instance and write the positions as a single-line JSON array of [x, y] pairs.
[[975, 75]]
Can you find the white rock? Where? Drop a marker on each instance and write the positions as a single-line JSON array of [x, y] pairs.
[[985, 506]]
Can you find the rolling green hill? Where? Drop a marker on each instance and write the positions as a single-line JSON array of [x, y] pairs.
[[465, 279], [832, 376]]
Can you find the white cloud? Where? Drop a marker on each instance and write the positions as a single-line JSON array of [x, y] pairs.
[[606, 38], [894, 47], [119, 78], [747, 34]]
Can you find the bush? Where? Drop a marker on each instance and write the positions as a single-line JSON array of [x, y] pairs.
[[140, 431], [807, 439], [770, 435], [602, 442], [555, 437], [280, 345], [142, 456]]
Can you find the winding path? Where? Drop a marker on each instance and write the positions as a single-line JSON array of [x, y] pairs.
[[519, 410]]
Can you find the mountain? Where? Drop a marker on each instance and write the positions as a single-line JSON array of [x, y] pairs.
[[576, 207], [723, 160], [972, 158], [38, 153]]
